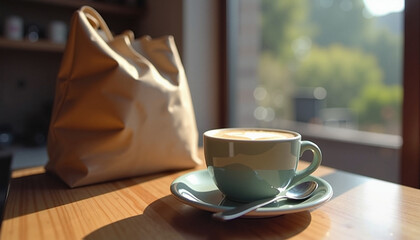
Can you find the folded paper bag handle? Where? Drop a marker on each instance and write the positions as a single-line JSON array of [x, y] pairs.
[[96, 21]]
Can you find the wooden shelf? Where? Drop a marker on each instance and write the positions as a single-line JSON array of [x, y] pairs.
[[44, 45], [111, 8], [41, 45]]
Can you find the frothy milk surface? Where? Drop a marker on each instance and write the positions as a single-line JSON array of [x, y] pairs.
[[253, 134]]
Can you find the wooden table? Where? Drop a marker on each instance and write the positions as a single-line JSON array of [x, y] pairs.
[[42, 207]]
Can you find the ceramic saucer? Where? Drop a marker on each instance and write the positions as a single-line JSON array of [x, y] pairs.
[[197, 189]]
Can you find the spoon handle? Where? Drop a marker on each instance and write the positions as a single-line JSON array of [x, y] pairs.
[[246, 208]]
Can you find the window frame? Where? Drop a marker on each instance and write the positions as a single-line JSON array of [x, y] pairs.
[[410, 151]]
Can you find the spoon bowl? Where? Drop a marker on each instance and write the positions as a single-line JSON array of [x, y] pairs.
[[300, 191]]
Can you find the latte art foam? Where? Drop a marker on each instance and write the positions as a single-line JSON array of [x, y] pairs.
[[253, 135]]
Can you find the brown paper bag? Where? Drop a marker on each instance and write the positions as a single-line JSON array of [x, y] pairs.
[[122, 106]]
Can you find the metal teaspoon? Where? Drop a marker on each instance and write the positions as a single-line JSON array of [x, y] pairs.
[[297, 192]]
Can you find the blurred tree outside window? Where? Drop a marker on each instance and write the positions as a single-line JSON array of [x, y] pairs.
[[328, 62]]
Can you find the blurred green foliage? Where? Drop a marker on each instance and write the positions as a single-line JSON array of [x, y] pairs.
[[378, 106], [323, 43], [343, 72], [281, 23]]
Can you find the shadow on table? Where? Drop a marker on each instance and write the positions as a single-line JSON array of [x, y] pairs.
[[167, 218], [27, 191], [342, 182]]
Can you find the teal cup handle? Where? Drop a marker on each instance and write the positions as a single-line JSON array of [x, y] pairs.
[[316, 161]]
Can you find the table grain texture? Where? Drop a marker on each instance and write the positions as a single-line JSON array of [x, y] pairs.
[[40, 206]]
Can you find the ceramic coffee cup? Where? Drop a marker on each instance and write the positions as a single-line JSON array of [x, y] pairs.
[[248, 164]]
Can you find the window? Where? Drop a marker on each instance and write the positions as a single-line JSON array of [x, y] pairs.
[[327, 62], [330, 69]]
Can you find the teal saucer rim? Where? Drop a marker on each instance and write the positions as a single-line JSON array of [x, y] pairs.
[[322, 195]]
